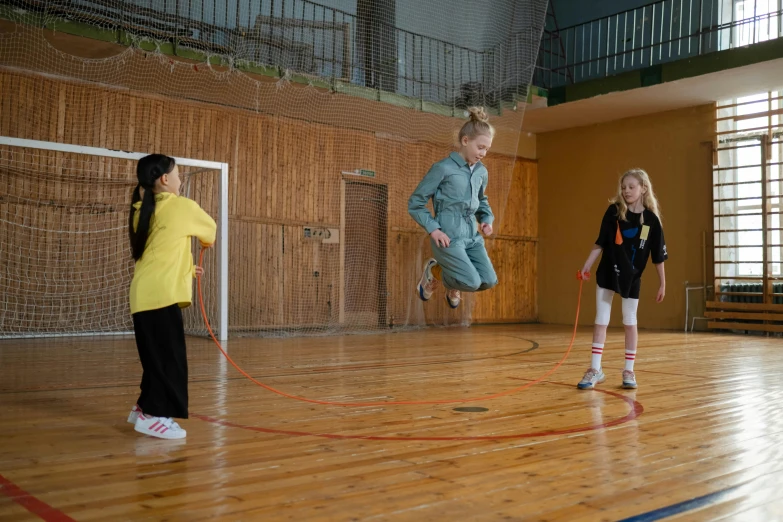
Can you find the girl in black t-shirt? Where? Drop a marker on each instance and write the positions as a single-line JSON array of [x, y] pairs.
[[630, 233]]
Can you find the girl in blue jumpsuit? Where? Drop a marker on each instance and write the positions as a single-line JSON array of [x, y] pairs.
[[457, 186]]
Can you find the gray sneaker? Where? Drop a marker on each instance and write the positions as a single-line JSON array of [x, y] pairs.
[[427, 283], [591, 378], [629, 380]]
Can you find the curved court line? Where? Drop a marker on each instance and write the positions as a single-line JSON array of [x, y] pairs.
[[359, 367], [384, 403], [324, 369], [636, 409], [35, 506]]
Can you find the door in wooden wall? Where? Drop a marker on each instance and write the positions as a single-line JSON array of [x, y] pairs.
[[365, 225]]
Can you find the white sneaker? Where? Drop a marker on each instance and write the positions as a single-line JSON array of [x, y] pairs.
[[427, 283], [591, 378], [453, 297], [134, 414], [629, 380], [160, 427]]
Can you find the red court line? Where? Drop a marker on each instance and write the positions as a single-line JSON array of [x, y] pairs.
[[30, 503], [636, 410], [637, 370], [704, 377]]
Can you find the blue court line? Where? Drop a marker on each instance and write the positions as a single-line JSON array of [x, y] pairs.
[[682, 507]]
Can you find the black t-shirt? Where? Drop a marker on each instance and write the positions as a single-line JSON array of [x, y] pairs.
[[626, 247]]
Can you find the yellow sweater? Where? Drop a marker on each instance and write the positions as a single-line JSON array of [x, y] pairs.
[[164, 274]]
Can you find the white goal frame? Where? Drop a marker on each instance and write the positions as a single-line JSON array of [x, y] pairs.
[[222, 222]]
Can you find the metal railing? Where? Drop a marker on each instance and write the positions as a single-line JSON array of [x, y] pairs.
[[652, 34], [304, 37]]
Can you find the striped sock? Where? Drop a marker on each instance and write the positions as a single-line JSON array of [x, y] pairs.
[[630, 358], [598, 351]]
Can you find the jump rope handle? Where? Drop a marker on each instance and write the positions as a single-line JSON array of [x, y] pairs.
[[582, 276]]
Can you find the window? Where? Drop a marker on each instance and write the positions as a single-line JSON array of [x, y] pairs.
[[752, 21], [747, 189]]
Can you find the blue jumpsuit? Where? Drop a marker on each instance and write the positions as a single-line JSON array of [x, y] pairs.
[[460, 203]]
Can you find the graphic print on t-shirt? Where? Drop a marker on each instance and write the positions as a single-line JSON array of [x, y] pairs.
[[625, 255]]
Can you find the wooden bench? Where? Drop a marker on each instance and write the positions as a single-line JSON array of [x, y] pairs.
[[745, 316]]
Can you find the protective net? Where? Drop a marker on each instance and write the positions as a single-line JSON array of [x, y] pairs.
[[64, 243], [328, 114]]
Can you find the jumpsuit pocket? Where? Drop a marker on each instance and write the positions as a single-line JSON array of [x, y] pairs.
[[449, 224], [455, 186]]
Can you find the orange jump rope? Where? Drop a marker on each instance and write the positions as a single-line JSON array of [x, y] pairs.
[[579, 276]]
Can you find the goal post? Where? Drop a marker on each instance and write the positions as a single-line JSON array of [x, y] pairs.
[[45, 194]]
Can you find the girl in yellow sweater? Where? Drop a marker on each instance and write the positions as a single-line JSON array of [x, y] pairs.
[[160, 227]]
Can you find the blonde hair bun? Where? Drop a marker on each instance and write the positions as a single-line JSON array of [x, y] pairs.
[[478, 114], [477, 125]]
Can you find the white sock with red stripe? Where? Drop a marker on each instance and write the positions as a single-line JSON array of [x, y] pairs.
[[598, 351], [630, 358]]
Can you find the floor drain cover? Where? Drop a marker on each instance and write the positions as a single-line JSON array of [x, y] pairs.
[[471, 409]]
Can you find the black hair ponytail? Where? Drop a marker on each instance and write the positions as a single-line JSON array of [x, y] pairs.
[[148, 170]]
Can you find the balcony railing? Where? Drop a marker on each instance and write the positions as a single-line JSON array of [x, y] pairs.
[[655, 33]]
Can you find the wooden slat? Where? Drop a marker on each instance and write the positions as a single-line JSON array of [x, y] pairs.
[[755, 307], [715, 325], [744, 315]]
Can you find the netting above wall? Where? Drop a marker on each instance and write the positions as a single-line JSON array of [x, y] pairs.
[[357, 45], [300, 100]]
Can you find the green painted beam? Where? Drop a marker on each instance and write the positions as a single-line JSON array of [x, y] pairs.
[[670, 71], [534, 90], [82, 29], [722, 60]]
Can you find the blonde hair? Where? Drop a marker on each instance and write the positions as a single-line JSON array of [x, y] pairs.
[[649, 200], [477, 125]]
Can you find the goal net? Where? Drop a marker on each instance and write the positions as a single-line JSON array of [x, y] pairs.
[[65, 264], [328, 114]]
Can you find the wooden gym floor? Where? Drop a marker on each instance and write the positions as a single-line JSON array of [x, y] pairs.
[[701, 439]]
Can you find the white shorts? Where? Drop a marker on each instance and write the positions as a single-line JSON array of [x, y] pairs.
[[603, 308]]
